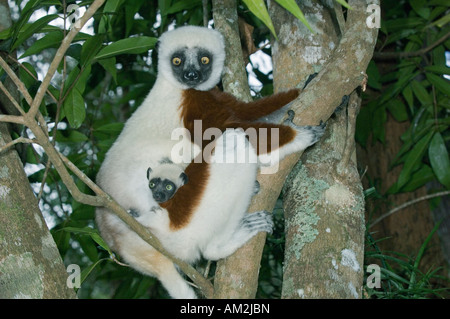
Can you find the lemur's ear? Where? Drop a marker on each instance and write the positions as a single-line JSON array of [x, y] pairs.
[[148, 172], [184, 178]]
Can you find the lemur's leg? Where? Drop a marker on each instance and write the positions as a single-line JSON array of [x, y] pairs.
[[249, 226], [236, 226], [147, 260], [273, 141]]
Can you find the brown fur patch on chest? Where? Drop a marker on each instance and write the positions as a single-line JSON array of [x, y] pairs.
[[183, 204]]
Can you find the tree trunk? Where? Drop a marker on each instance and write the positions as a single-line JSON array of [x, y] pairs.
[[30, 264], [324, 212], [323, 198], [342, 73]]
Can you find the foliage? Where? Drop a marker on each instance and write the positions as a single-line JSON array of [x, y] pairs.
[[415, 35], [401, 277]]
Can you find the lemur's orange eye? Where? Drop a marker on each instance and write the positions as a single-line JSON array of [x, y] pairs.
[[176, 61], [205, 60]]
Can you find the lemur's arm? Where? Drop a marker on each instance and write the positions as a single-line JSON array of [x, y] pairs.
[[255, 110]]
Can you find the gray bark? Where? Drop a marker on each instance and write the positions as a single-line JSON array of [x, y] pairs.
[[30, 264]]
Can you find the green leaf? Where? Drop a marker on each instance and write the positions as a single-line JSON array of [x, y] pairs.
[[398, 110], [89, 248], [50, 40], [413, 159], [421, 93], [440, 83], [25, 76], [24, 17], [418, 179], [134, 45], [74, 108], [91, 232], [408, 95], [439, 159], [110, 66], [82, 79], [421, 8], [35, 27], [183, 5], [258, 8], [90, 48], [373, 76], [74, 137], [292, 7], [131, 8], [442, 21], [344, 4], [438, 69], [86, 272], [111, 7]]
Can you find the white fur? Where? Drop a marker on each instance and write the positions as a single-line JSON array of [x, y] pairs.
[[146, 139], [191, 37], [220, 224], [211, 232]]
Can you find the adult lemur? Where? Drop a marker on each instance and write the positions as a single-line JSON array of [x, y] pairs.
[[207, 216]]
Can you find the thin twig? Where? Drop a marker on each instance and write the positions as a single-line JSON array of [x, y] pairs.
[[12, 119], [404, 205], [11, 98], [60, 54], [32, 75], [16, 141], [402, 55], [16, 81]]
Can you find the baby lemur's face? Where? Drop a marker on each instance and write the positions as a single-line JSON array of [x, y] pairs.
[[165, 180]]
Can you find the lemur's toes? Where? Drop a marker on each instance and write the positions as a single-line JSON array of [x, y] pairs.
[[256, 188], [133, 213]]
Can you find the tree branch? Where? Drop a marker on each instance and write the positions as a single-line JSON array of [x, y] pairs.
[[237, 275], [403, 55], [409, 203]]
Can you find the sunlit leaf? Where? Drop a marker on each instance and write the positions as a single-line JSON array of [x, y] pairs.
[[74, 108], [259, 9], [292, 7], [134, 45], [33, 28]]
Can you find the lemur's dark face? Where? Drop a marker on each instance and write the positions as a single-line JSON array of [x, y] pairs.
[[162, 189], [191, 66]]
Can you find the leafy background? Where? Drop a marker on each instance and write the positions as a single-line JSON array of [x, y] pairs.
[[110, 68]]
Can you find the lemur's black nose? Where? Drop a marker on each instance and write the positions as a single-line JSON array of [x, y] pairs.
[[191, 75]]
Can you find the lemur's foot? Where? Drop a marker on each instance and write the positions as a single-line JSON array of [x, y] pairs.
[[133, 213], [309, 133], [258, 221], [256, 188]]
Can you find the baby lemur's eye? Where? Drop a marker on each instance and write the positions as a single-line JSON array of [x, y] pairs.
[[151, 185], [169, 187], [205, 60], [176, 61]]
